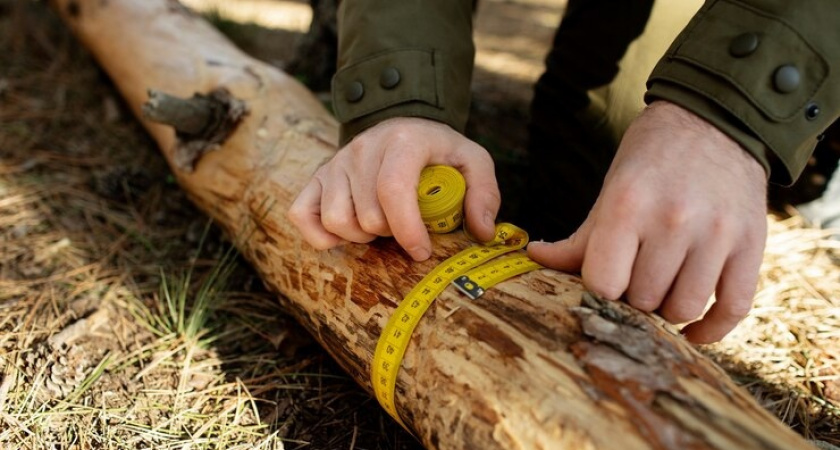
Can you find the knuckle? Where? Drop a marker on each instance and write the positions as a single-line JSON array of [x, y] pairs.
[[388, 182], [719, 226], [389, 187], [335, 222], [736, 309], [627, 202], [683, 311], [676, 217], [373, 224], [493, 194], [321, 172], [646, 303]]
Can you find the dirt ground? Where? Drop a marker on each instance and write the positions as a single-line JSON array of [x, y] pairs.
[[126, 321]]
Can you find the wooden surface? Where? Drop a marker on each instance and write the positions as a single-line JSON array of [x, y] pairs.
[[526, 366]]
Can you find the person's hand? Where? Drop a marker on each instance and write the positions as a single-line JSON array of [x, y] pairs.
[[682, 215], [369, 188]]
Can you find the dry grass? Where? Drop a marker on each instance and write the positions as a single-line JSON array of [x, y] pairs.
[[126, 323]]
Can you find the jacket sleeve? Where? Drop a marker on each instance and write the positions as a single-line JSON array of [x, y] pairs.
[[765, 72], [403, 58]]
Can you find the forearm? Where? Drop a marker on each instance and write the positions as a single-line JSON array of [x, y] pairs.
[[773, 92], [409, 58]]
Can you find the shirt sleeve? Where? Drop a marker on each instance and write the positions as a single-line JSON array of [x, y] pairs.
[[765, 72], [405, 58]]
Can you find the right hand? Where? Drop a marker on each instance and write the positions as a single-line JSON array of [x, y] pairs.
[[681, 216], [369, 188]]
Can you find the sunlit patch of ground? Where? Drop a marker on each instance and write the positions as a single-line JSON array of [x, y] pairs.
[[289, 15], [511, 40]]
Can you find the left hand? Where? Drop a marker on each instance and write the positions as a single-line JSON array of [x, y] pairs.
[[369, 188], [682, 215]]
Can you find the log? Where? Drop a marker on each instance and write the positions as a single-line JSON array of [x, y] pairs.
[[532, 364]]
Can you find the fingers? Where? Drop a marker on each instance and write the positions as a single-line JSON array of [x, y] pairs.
[[734, 298], [482, 200], [397, 193], [369, 213], [676, 219], [338, 213], [370, 187], [605, 257], [608, 264], [566, 255], [305, 214], [655, 268], [695, 285]]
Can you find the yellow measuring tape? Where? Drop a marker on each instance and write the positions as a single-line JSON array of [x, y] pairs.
[[441, 192]]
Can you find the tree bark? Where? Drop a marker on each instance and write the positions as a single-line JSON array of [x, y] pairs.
[[528, 365]]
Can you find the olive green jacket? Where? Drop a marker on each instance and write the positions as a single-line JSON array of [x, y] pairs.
[[765, 72]]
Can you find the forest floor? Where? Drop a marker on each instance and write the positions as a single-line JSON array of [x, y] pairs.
[[126, 320]]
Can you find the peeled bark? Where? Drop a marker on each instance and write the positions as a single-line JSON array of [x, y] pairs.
[[528, 365]]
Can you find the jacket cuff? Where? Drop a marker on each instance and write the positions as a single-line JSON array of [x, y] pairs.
[[755, 77], [400, 83]]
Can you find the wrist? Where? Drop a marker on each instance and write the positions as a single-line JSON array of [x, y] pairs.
[[724, 122], [681, 118]]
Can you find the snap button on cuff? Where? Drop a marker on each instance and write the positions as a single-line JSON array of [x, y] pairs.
[[812, 110], [786, 78], [743, 45], [389, 78], [354, 92]]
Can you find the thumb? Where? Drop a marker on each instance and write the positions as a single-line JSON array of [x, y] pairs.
[[566, 255]]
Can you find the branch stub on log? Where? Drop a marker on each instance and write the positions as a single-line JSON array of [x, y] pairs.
[[201, 122]]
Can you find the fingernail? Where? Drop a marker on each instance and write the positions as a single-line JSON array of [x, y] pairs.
[[539, 243]]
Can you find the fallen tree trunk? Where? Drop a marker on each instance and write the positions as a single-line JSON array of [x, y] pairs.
[[525, 366]]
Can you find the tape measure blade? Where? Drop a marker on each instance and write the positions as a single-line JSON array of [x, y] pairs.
[[477, 281], [397, 332]]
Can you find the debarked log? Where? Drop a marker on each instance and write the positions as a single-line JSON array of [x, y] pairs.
[[529, 365]]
